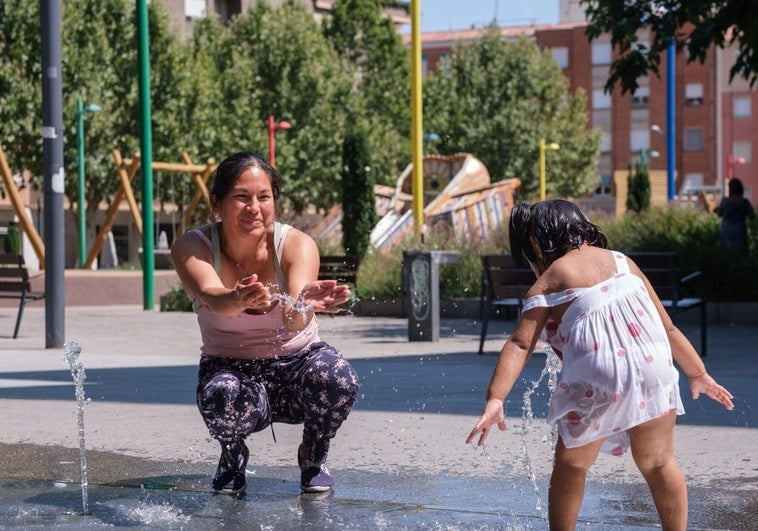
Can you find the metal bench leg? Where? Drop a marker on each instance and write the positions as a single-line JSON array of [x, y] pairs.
[[703, 330], [20, 315], [485, 322]]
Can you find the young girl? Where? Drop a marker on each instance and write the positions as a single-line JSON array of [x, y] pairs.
[[618, 387]]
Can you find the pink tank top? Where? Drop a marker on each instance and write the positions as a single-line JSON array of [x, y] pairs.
[[246, 336]]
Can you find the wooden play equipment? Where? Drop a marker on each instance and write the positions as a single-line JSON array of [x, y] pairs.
[[20, 210], [126, 170]]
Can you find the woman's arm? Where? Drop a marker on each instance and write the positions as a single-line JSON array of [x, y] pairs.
[[193, 262]]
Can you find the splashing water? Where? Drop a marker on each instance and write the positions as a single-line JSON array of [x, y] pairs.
[[71, 353], [551, 369]]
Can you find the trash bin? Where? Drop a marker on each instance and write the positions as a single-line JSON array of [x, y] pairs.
[[421, 291]]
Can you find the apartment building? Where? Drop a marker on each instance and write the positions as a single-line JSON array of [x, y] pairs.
[[714, 130]]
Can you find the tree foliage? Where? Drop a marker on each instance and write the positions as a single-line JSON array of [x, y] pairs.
[[695, 24], [359, 213], [495, 99], [638, 194]]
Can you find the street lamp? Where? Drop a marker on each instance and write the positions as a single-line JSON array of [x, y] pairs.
[[544, 147], [80, 110], [730, 162], [273, 127]]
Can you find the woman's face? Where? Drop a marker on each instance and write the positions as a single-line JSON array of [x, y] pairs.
[[249, 206]]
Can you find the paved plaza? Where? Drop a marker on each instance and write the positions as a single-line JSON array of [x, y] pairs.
[[399, 462]]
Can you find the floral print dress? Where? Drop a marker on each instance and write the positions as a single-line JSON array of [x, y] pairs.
[[618, 371]]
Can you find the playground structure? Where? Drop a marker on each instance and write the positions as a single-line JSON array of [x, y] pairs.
[[126, 169], [457, 191]]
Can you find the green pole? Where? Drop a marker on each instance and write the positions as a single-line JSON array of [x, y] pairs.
[[146, 147], [80, 164]]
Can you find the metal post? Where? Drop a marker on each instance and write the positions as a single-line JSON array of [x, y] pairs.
[[271, 141], [52, 146], [80, 167], [670, 118], [146, 147], [542, 170], [417, 153]]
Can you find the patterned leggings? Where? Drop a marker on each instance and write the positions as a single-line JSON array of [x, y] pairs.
[[316, 387]]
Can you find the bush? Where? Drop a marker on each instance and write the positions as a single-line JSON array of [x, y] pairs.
[[176, 300]]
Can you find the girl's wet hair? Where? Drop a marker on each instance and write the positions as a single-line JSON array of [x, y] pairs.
[[556, 225], [226, 174]]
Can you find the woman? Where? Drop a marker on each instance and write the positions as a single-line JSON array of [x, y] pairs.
[[253, 282], [618, 387], [734, 211]]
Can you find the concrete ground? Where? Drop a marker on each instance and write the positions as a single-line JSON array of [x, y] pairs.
[[399, 462]]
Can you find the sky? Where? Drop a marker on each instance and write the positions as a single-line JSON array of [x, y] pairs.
[[439, 15]]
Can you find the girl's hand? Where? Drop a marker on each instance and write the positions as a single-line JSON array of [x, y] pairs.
[[251, 294], [705, 384], [493, 414], [325, 295]]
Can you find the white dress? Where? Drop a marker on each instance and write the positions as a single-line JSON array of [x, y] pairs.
[[617, 366]]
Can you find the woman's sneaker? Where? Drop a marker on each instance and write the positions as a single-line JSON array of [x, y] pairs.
[[230, 474], [314, 477]]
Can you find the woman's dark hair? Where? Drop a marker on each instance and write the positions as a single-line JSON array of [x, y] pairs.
[[230, 169], [735, 187], [556, 225]]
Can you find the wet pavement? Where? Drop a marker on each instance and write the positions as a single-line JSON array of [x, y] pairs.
[[399, 462]]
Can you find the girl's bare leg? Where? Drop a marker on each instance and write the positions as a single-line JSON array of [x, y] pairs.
[[653, 452], [567, 483]]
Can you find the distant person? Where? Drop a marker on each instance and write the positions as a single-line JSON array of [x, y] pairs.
[[734, 211], [618, 387], [254, 285]]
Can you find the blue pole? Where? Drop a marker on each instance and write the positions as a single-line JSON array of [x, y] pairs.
[[670, 118], [146, 145]]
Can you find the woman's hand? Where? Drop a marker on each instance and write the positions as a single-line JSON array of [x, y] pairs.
[[493, 414], [251, 294], [705, 384], [325, 295]]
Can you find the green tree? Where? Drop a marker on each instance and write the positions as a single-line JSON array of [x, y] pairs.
[[99, 62], [371, 50], [358, 201], [697, 25], [277, 62], [638, 194], [495, 99]]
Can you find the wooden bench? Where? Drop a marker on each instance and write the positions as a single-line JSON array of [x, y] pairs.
[[677, 293], [342, 268], [504, 284], [15, 283]]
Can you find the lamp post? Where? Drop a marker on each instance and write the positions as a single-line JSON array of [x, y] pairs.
[[730, 162], [273, 127], [544, 147], [80, 110]]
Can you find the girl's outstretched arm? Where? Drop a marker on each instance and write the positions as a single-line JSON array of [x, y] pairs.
[[513, 357]]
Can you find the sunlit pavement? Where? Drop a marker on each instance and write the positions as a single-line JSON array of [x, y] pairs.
[[399, 462]]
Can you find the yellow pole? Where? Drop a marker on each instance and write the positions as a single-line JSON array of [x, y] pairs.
[[543, 147], [416, 120], [542, 169]]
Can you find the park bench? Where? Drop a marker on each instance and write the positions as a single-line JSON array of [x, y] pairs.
[[15, 283], [342, 268], [504, 284], [677, 293]]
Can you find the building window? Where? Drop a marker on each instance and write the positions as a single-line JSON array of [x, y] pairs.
[[601, 53], [741, 107], [194, 8], [639, 139], [693, 94], [605, 142], [742, 149], [561, 56], [604, 186], [424, 65], [693, 139], [641, 97], [600, 100]]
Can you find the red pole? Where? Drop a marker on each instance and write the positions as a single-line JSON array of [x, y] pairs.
[[271, 140]]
